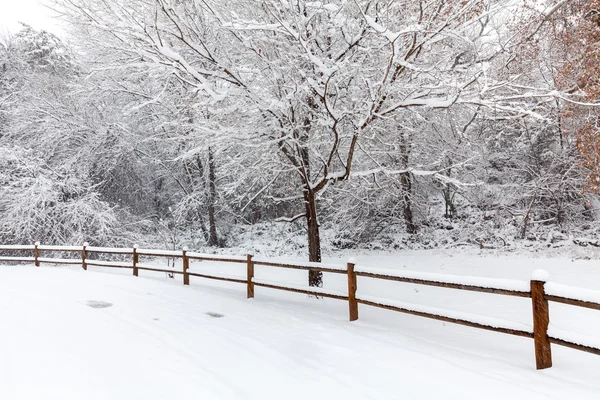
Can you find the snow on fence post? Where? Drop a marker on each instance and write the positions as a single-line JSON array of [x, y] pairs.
[[36, 254], [250, 276], [84, 255], [186, 266], [352, 303], [541, 319], [136, 259]]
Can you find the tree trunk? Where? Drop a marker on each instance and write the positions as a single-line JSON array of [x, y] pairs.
[[449, 202], [315, 278], [406, 181], [192, 172], [213, 239], [527, 216], [195, 178], [406, 184], [202, 225]]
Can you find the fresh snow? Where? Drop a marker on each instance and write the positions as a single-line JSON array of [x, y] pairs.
[[478, 319], [152, 252], [574, 337], [571, 292], [506, 284], [109, 263], [206, 255], [540, 275], [60, 248], [16, 247], [226, 276], [157, 339], [306, 264], [300, 287], [109, 249], [153, 266], [60, 260]]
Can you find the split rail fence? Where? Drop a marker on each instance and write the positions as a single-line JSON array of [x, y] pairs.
[[536, 289]]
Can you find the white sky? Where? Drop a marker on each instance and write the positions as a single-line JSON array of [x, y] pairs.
[[31, 12]]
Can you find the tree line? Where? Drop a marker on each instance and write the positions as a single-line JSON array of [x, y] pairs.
[[473, 117]]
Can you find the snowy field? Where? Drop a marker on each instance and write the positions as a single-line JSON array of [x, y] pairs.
[[103, 334]]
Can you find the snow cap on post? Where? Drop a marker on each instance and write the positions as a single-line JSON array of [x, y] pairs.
[[135, 246], [250, 252], [540, 275], [36, 243], [86, 244], [185, 248], [352, 260]]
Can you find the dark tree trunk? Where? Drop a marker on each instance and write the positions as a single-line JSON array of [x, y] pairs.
[[449, 202], [196, 178], [202, 226], [527, 216], [213, 239], [157, 201], [448, 193], [315, 278], [406, 181]]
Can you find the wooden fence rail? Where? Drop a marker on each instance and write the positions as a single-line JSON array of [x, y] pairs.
[[535, 289]]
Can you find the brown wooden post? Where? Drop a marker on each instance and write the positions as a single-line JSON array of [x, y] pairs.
[[541, 319], [136, 259], [250, 276], [84, 256], [36, 254], [352, 303], [186, 266]]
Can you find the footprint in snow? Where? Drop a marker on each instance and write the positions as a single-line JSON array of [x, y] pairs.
[[215, 315], [98, 304]]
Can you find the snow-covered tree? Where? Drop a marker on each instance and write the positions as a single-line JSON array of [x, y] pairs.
[[47, 191], [293, 99]]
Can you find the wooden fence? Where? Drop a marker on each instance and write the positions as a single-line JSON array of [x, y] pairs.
[[535, 289]]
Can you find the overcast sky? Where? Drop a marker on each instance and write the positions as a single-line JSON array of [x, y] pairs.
[[31, 12]]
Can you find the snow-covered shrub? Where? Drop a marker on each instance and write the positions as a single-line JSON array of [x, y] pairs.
[[41, 204]]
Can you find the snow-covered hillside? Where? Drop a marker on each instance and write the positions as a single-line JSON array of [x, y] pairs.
[[102, 334]]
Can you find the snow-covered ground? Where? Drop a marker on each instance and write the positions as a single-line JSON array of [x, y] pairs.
[[159, 339]]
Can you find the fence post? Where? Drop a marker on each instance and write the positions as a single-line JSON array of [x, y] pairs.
[[352, 303], [541, 319], [36, 254], [186, 266], [136, 259], [84, 256], [250, 276]]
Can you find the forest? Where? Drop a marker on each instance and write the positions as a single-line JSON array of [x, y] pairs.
[[316, 125]]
